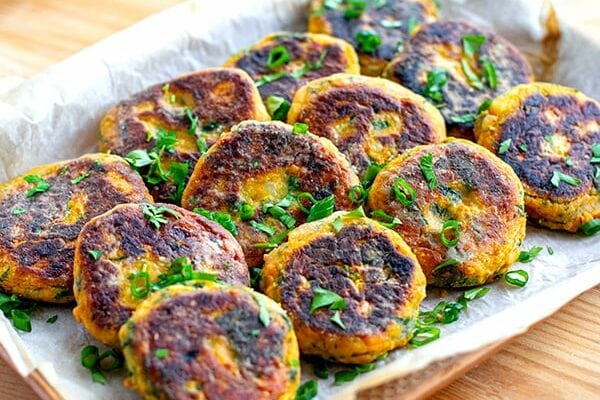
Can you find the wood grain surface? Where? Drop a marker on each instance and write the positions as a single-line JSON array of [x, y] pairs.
[[559, 358]]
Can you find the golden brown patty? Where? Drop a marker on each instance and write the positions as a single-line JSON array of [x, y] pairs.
[[311, 56], [368, 119], [467, 224], [547, 134], [439, 47], [260, 165], [42, 212], [371, 270], [211, 342], [392, 21], [116, 250], [179, 120]]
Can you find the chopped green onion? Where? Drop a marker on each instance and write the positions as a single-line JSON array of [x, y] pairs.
[[300, 128], [321, 209], [269, 78], [558, 177], [95, 254], [489, 73], [277, 107], [503, 148], [354, 8], [550, 250], [18, 211], [385, 219], [391, 24], [413, 24], [140, 284], [517, 277], [357, 213], [80, 178], [337, 224], [472, 44], [404, 193], [41, 185], [484, 106], [320, 370], [523, 147], [337, 319], [455, 227], [307, 391], [590, 228], [263, 313], [262, 227], [246, 212], [52, 319], [357, 194], [451, 262], [370, 174], [463, 119], [283, 216], [436, 80], [161, 354], [568, 161], [326, 298], [595, 153], [475, 293], [426, 165], [221, 218], [528, 256], [425, 335], [21, 320], [470, 74], [275, 241], [347, 375], [277, 57], [368, 40]]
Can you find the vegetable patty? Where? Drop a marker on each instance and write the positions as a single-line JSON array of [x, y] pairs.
[[211, 342], [124, 254], [282, 62], [376, 28], [351, 287], [163, 130], [262, 179], [43, 211], [550, 136], [459, 66], [368, 119], [460, 210]]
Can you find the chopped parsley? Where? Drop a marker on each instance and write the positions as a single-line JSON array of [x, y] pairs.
[[18, 211], [161, 354], [41, 185], [157, 216], [436, 80], [368, 40], [325, 298]]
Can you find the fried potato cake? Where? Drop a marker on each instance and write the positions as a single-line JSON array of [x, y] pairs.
[[550, 136], [169, 125], [133, 249], [211, 342], [376, 29], [351, 287], [263, 178], [461, 210], [282, 62], [459, 66], [42, 212], [368, 119]]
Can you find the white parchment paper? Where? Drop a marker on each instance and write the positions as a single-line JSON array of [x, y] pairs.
[[55, 116]]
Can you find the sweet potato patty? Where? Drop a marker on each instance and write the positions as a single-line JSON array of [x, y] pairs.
[[282, 62], [178, 121], [550, 136], [211, 342], [254, 175], [368, 119], [351, 287], [133, 249], [390, 22], [43, 211], [460, 208], [459, 66]]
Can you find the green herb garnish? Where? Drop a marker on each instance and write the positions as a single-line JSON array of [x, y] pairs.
[[426, 165], [157, 216], [503, 148], [470, 74], [530, 255], [337, 319], [161, 354], [472, 44], [18, 211], [517, 277], [246, 212], [80, 178], [403, 192], [300, 128], [368, 40], [590, 228], [489, 73], [321, 209], [347, 375], [221, 218], [278, 107], [95, 362], [386, 219], [354, 8], [436, 80], [95, 254], [262, 227], [455, 227], [357, 194], [41, 185], [425, 335], [558, 177], [307, 391], [326, 298], [52, 319]]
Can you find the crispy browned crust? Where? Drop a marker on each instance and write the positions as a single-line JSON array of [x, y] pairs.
[[439, 45], [252, 150], [36, 246], [303, 48], [547, 123], [333, 22], [369, 266], [127, 242], [330, 103], [219, 97], [218, 348], [474, 188]]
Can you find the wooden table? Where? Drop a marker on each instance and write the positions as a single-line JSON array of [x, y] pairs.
[[557, 359]]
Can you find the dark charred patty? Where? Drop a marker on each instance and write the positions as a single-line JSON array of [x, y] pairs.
[[211, 342], [393, 21], [547, 133], [368, 266], [439, 47], [43, 211], [115, 247], [261, 165], [311, 56], [473, 191], [368, 119], [179, 120]]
